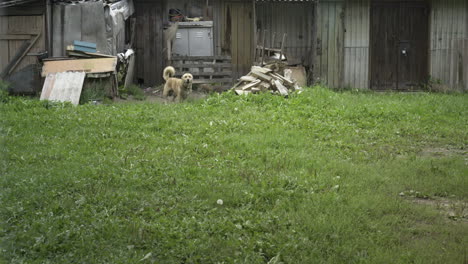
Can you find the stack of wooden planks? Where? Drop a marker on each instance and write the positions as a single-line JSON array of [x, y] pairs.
[[263, 79]]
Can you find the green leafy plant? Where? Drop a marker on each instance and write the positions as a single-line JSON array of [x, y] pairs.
[[4, 90]]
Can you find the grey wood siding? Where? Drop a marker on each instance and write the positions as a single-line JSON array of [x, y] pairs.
[[149, 42], [236, 34], [330, 44], [449, 43], [232, 28], [293, 18], [356, 49]]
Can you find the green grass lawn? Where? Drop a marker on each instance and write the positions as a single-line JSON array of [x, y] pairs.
[[314, 178]]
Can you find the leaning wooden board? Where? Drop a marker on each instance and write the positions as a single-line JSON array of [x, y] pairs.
[[98, 65], [63, 87]]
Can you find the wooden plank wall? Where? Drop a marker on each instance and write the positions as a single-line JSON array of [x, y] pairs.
[[330, 44], [459, 65], [233, 34], [356, 49], [293, 18], [20, 25], [149, 46], [448, 38]]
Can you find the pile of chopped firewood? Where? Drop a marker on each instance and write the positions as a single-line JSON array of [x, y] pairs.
[[269, 78]]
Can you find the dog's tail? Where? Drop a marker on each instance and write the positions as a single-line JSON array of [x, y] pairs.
[[169, 72]]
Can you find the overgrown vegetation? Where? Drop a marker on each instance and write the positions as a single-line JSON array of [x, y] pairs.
[[315, 178], [4, 91], [133, 90]]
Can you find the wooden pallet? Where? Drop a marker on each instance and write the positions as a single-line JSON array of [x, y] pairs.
[[215, 70]]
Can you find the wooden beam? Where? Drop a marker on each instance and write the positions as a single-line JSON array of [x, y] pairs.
[[283, 90], [85, 65], [24, 53], [263, 48], [15, 36], [282, 47], [21, 50], [313, 74], [48, 26]]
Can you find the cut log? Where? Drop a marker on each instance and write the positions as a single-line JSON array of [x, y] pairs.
[[283, 79], [248, 78], [262, 76], [260, 69], [264, 86], [281, 88], [255, 90], [250, 85], [241, 92]]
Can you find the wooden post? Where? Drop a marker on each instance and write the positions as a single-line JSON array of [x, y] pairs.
[[263, 47], [254, 28], [282, 47], [313, 71], [273, 39], [49, 27]]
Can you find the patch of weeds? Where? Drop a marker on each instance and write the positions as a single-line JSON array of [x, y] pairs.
[[134, 90], [93, 91], [4, 91]]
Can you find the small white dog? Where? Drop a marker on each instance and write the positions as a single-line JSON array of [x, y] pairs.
[[180, 87]]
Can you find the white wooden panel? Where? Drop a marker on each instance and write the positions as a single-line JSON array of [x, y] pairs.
[[63, 87]]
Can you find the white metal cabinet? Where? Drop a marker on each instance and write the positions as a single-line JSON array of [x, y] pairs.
[[194, 39]]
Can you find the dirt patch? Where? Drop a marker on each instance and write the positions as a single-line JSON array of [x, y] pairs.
[[441, 152], [453, 209], [154, 95], [444, 152]]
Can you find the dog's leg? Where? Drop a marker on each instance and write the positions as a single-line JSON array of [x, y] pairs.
[[165, 92], [178, 97]]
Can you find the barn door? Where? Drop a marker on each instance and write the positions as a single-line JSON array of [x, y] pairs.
[[20, 35], [399, 45]]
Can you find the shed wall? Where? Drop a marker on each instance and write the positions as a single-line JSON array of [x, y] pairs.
[[449, 43], [296, 20], [356, 48], [83, 22], [149, 44], [13, 31], [329, 66], [235, 36]]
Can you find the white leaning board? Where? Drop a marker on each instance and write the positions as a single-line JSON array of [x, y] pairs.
[[63, 87]]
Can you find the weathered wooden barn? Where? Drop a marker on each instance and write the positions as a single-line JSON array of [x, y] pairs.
[[401, 44], [364, 44]]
